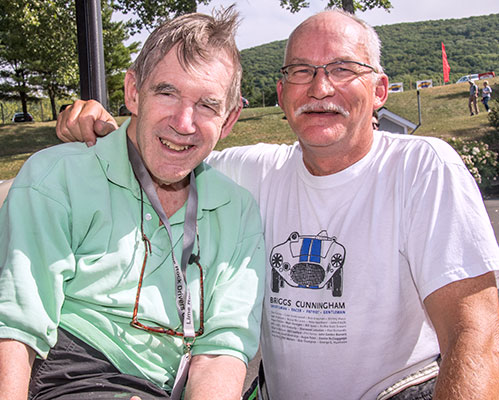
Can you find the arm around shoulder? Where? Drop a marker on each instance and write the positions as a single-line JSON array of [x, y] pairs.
[[465, 315], [16, 360]]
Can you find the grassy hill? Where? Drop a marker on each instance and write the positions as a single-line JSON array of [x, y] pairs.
[[444, 110], [410, 52], [444, 114]]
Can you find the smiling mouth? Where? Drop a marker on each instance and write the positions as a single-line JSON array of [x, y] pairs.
[[173, 146], [320, 112], [322, 109]]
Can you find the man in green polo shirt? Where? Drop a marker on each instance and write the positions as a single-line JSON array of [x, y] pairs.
[[89, 282]]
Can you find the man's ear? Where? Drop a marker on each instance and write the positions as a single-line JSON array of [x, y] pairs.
[[380, 91], [279, 92], [131, 93], [231, 120]]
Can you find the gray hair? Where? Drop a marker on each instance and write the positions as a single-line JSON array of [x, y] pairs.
[[196, 35], [373, 44]]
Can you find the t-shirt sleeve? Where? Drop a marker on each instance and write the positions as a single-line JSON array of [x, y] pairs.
[[448, 231], [249, 165]]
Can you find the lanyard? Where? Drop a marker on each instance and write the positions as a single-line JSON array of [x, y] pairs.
[[182, 293]]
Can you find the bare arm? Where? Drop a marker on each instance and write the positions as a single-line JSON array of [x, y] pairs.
[[16, 360], [4, 190], [84, 121], [215, 377], [465, 315]]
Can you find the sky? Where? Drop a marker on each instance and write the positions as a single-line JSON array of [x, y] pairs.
[[264, 21]]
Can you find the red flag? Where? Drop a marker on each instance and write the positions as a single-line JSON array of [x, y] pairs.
[[445, 64]]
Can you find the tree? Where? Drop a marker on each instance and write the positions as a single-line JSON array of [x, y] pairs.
[[117, 56], [348, 5], [149, 14], [52, 48], [38, 50], [14, 69]]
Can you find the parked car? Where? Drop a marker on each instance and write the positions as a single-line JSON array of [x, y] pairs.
[[123, 111], [466, 78], [20, 117]]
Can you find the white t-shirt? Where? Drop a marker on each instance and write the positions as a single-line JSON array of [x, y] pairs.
[[351, 257], [487, 91]]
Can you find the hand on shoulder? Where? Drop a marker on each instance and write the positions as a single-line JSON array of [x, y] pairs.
[[84, 121]]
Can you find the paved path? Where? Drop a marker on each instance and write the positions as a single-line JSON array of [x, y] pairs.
[[492, 207]]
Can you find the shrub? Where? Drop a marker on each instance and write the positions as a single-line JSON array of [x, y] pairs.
[[479, 159], [494, 114]]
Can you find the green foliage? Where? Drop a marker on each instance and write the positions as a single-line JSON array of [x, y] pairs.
[[38, 52], [494, 114], [16, 20], [118, 57], [410, 52], [261, 71], [479, 159], [53, 66], [348, 5], [148, 14], [294, 5]]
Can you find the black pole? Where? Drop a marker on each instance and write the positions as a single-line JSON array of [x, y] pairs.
[[419, 113], [91, 51]]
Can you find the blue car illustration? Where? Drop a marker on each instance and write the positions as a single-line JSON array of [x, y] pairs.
[[308, 261]]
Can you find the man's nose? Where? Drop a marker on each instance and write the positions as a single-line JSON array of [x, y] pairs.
[[183, 120], [321, 86]]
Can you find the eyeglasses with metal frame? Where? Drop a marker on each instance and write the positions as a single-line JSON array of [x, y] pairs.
[[337, 71]]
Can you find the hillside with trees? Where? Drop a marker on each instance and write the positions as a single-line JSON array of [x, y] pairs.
[[410, 52]]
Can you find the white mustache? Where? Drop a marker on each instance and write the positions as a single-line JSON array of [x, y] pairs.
[[322, 107]]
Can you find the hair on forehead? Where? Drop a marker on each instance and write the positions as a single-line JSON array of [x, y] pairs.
[[197, 38], [372, 42]]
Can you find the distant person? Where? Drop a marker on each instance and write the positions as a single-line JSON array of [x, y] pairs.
[[122, 263], [380, 253], [486, 94], [472, 101]]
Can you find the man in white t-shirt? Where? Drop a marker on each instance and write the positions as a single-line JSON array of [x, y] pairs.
[[380, 255]]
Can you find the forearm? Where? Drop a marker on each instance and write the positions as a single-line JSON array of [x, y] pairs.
[[465, 315], [215, 377], [469, 371], [16, 360]]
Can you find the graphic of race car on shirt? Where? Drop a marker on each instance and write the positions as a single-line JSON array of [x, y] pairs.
[[309, 262]]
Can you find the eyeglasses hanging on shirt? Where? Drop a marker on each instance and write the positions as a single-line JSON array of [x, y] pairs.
[[182, 294]]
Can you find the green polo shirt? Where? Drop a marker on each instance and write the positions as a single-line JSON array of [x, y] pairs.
[[71, 254]]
